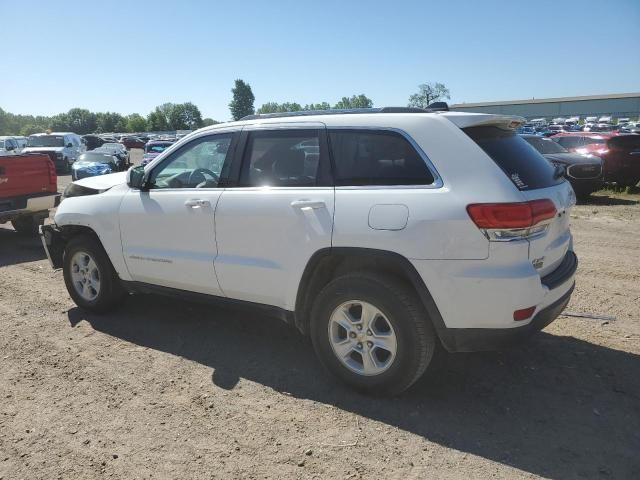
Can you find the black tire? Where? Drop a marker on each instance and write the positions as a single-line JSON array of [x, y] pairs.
[[27, 225], [66, 168], [415, 335], [110, 294]]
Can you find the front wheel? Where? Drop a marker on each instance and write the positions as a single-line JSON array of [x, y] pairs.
[[372, 332], [90, 277]]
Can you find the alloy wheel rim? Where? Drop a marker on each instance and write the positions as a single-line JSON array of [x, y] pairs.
[[85, 276], [362, 338]]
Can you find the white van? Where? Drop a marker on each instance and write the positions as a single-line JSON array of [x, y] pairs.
[[64, 148], [9, 146]]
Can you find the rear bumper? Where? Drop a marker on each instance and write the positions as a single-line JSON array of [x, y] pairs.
[[476, 301], [482, 339], [11, 208]]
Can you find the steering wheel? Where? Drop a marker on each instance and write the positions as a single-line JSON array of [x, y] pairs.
[[202, 172]]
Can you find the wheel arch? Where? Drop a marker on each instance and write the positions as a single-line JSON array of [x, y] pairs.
[[328, 263], [59, 236]]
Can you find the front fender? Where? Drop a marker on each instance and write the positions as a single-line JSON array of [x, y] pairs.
[[100, 214]]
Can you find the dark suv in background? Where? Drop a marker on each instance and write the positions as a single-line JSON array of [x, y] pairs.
[[583, 171], [619, 152]]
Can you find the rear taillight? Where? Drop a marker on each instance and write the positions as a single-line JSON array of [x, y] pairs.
[[53, 176], [512, 221]]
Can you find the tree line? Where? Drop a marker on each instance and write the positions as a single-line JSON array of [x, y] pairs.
[[242, 103], [165, 117], [187, 116]]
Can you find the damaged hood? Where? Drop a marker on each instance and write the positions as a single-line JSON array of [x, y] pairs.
[[103, 182]]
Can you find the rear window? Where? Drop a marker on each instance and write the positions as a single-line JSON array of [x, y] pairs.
[[366, 157], [526, 168]]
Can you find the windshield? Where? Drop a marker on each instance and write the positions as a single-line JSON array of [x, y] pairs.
[[46, 141], [157, 147], [95, 157], [544, 145]]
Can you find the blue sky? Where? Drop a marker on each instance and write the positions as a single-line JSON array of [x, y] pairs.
[[129, 56]]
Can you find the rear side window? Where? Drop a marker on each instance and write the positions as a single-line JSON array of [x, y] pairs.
[[281, 158], [526, 168], [365, 157]]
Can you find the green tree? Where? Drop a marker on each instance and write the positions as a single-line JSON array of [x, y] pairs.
[[355, 101], [136, 123], [109, 122], [241, 104], [273, 107], [269, 107], [59, 123], [30, 129], [160, 118], [427, 94], [207, 122], [185, 116], [81, 121], [317, 106]]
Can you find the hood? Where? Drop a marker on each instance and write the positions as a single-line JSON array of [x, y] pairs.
[[103, 182], [42, 149], [572, 158]]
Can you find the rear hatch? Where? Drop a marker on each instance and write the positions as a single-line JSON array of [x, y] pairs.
[[539, 182]]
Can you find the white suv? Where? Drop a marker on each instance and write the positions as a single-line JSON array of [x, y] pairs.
[[381, 235]]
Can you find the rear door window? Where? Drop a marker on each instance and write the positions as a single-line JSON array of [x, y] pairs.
[[282, 158], [366, 157], [527, 169]]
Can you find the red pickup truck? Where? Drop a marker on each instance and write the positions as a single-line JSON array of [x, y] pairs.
[[28, 189]]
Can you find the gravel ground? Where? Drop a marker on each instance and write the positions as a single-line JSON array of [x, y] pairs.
[[169, 389]]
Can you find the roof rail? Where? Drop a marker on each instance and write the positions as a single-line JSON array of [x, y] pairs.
[[434, 107], [438, 107]]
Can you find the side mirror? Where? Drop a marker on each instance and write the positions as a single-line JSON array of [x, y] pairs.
[[10, 148], [69, 145], [135, 177]]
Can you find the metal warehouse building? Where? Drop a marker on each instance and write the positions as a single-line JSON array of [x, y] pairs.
[[616, 105]]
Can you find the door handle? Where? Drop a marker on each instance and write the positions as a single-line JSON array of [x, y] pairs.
[[308, 204], [196, 203]]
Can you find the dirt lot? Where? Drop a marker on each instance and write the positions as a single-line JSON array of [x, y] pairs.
[[168, 389]]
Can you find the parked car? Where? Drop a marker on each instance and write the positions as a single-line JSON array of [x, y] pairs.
[[28, 190], [22, 142], [381, 236], [556, 129], [132, 142], [583, 171], [92, 141], [9, 146], [154, 148], [117, 150], [63, 147], [91, 164], [527, 130], [619, 152]]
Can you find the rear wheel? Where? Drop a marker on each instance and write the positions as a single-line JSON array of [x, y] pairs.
[[372, 333], [89, 276], [28, 225]]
